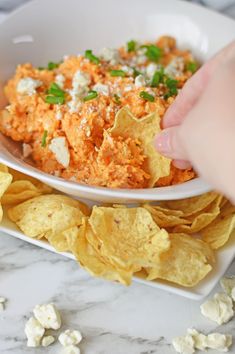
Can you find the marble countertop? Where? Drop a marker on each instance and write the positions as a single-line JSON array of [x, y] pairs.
[[113, 319]]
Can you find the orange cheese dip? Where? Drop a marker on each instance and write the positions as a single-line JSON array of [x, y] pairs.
[[61, 113]]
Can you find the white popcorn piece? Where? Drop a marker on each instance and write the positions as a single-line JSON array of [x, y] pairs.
[[70, 337], [48, 316], [34, 332], [28, 86], [47, 340], [60, 149], [219, 341], [218, 309], [227, 284], [71, 349], [184, 344], [140, 81]]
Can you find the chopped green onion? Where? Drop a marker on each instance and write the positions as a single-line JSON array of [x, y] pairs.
[[131, 46], [55, 99], [172, 87], [89, 55], [146, 96], [191, 66], [55, 90], [153, 52], [116, 99], [118, 73], [90, 96], [51, 65], [41, 68], [136, 72], [44, 139], [157, 78]]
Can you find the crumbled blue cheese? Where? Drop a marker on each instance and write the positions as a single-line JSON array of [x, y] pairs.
[[151, 69], [219, 341], [27, 150], [228, 284], [81, 79], [200, 340], [47, 340], [101, 88], [60, 80], [70, 337], [28, 86], [34, 332], [218, 309], [175, 68], [111, 55], [140, 81], [128, 70], [60, 149], [184, 344]]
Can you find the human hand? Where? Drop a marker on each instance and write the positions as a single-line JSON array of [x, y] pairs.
[[199, 128]]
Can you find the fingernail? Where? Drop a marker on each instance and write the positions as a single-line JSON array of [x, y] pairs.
[[162, 142]]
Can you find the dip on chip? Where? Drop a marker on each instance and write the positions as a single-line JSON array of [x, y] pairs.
[[92, 118]]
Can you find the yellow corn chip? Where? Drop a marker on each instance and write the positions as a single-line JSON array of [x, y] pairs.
[[202, 218], [3, 168], [185, 263], [47, 215], [128, 236], [165, 220], [92, 261], [219, 231], [22, 190], [5, 181], [144, 130], [192, 205]]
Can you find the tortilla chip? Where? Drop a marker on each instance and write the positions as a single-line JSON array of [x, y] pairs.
[[192, 205], [5, 181], [219, 231], [201, 219], [185, 263], [128, 236], [47, 215], [22, 190], [90, 260], [144, 130], [163, 219]]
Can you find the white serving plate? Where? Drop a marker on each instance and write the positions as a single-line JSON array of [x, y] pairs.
[[45, 30], [224, 258]]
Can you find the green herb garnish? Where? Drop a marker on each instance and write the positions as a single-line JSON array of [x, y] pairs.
[[118, 73], [55, 94], [41, 68], [44, 139], [172, 87], [90, 96], [89, 55], [157, 78], [191, 66], [116, 99], [131, 46], [146, 96], [55, 90], [51, 65], [136, 72], [153, 53], [55, 100]]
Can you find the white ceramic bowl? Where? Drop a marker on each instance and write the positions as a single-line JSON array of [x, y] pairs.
[[45, 30]]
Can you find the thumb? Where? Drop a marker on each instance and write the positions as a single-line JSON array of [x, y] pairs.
[[169, 143]]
